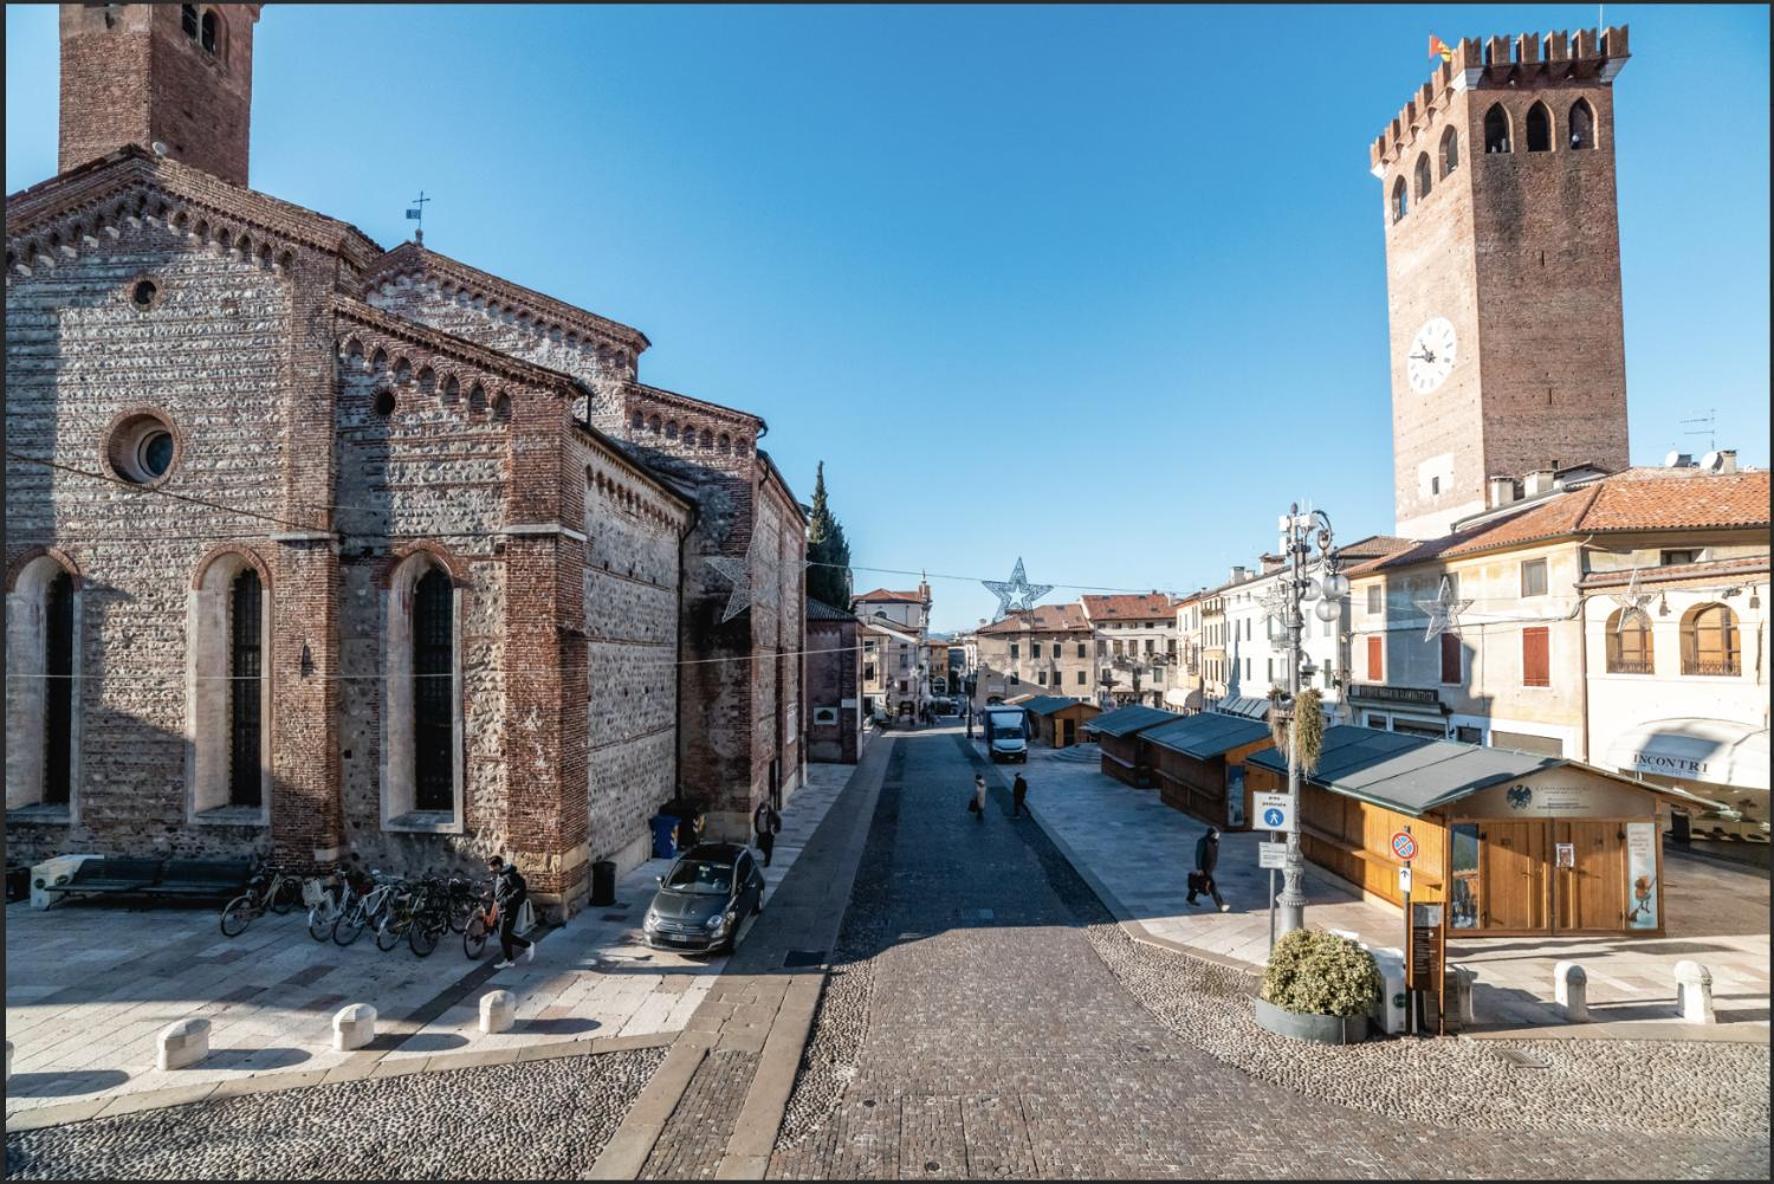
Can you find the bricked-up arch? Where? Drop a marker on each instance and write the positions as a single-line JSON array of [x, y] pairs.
[[1539, 128], [1450, 151], [43, 683], [1496, 130], [1422, 170], [422, 768], [228, 699], [1400, 206], [1582, 126]]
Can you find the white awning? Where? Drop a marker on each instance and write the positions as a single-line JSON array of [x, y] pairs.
[[1715, 751]]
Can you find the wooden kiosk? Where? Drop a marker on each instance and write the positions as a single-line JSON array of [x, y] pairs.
[[1117, 733], [1513, 843], [1198, 762], [1058, 721]]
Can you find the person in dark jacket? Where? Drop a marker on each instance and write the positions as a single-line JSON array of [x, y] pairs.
[[1019, 792], [1207, 857], [510, 891], [765, 823]]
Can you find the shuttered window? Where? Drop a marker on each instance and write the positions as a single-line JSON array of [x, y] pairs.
[[1450, 659], [1374, 670], [1536, 657]]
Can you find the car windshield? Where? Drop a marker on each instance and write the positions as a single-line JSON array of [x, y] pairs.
[[1007, 721], [693, 875]]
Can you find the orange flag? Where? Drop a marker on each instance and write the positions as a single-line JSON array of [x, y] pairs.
[[1438, 46]]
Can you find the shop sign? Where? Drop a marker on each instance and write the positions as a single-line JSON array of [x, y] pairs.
[[1422, 696], [1641, 875], [1671, 766], [1549, 799]]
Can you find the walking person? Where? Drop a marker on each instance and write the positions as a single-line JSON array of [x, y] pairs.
[[1207, 857], [510, 891], [1019, 792], [766, 823], [977, 803]]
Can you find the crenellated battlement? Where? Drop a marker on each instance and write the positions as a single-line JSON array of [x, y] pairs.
[[1588, 55]]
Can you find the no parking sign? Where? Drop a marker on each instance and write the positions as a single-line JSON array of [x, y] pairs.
[[1404, 846]]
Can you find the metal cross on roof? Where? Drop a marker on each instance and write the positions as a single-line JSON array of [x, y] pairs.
[[1632, 602], [1016, 593], [736, 570], [1444, 611]]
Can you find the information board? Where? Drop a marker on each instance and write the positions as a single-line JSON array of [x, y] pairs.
[[1426, 946]]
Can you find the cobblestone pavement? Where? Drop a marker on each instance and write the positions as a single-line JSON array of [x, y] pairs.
[[537, 1120], [998, 1040]]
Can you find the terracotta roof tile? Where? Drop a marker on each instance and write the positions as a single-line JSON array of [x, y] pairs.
[[882, 595], [1043, 618], [1128, 607]]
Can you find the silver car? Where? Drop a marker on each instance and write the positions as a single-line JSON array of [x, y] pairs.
[[705, 899]]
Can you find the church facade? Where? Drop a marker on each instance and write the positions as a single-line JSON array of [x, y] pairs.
[[327, 552]]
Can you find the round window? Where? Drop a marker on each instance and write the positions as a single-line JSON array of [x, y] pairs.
[[142, 449]]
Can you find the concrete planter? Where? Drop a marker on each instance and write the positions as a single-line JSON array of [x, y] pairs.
[[1321, 1029]]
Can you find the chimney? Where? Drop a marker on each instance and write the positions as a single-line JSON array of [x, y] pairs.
[[1502, 492], [1239, 573], [1727, 460], [1539, 482], [1272, 562]]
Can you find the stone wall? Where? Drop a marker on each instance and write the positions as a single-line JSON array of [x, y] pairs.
[[832, 668]]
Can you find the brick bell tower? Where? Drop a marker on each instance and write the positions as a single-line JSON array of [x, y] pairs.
[[1503, 271], [180, 74]]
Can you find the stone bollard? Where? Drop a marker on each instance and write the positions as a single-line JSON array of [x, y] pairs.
[[181, 1044], [1693, 993], [498, 1011], [1570, 986], [353, 1027], [1465, 978]]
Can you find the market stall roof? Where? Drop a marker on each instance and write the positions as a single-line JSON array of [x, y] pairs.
[[1206, 735], [1248, 706], [1048, 704], [1125, 721], [1416, 774]]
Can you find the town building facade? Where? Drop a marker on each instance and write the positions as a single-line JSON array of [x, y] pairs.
[[1136, 646], [834, 702]]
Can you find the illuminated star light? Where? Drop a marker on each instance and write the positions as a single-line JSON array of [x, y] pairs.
[[1016, 594], [1444, 612], [736, 570], [1632, 602]]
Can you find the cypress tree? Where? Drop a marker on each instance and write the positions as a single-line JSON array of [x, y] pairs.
[[826, 545]]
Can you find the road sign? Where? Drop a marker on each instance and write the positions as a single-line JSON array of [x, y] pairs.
[[1404, 878], [1273, 811], [1271, 855], [1404, 846]]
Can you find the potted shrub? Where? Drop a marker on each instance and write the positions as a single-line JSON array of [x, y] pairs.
[[1318, 987]]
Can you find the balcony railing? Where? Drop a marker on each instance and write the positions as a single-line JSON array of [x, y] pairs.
[[1629, 666], [1716, 666]]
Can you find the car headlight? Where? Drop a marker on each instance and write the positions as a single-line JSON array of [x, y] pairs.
[[652, 921], [719, 922]]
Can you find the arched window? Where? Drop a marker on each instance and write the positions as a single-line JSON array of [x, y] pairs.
[[1496, 129], [1629, 643], [1582, 125], [639, 422], [208, 38], [1422, 176], [1539, 128], [42, 687], [1400, 199], [1450, 151], [1709, 641], [188, 20], [433, 726], [245, 679], [230, 701]]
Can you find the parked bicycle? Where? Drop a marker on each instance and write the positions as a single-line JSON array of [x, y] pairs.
[[327, 899], [485, 922], [269, 888], [365, 910]]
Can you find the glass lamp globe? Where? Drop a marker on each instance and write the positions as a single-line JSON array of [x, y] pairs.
[[1336, 585], [1326, 610], [1309, 590]]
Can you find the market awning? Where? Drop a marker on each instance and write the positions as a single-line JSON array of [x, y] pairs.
[[1714, 751]]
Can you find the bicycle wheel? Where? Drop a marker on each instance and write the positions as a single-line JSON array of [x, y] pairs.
[[474, 937], [320, 921], [422, 936], [287, 896], [237, 915], [388, 934], [349, 925], [461, 912]]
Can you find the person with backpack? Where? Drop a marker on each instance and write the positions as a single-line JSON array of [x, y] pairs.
[[766, 823], [1207, 857], [509, 892]]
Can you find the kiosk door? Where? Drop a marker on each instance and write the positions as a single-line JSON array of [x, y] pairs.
[[1589, 875], [1515, 860]]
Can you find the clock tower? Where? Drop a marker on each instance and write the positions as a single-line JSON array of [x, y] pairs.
[[1503, 271]]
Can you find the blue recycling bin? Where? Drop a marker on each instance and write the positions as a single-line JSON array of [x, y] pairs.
[[665, 828]]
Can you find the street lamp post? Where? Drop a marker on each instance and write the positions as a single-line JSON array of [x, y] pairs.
[[1300, 532]]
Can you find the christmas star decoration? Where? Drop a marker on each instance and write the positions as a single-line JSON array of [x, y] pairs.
[[736, 570], [1444, 611], [1632, 602], [1016, 594]]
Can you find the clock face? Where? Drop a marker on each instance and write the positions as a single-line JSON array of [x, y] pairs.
[[1431, 355]]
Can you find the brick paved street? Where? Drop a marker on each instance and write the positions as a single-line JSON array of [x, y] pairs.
[[999, 1042]]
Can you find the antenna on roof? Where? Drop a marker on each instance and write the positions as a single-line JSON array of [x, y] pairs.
[[416, 213], [1710, 419]]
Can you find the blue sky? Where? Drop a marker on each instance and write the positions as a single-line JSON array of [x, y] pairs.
[[1103, 288]]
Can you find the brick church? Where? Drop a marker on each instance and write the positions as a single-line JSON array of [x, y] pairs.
[[328, 552]]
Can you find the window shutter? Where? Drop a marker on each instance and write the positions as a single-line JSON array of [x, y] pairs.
[[1536, 665], [1450, 659], [1373, 660]]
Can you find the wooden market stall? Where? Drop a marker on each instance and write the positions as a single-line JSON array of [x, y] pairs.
[[1058, 720], [1117, 733], [1198, 762], [1515, 843]]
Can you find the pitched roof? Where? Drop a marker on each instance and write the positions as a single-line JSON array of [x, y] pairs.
[[1125, 721], [1043, 618], [1206, 735], [1048, 704], [1411, 774], [883, 596], [1676, 572], [1144, 605], [819, 610], [1637, 500]]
